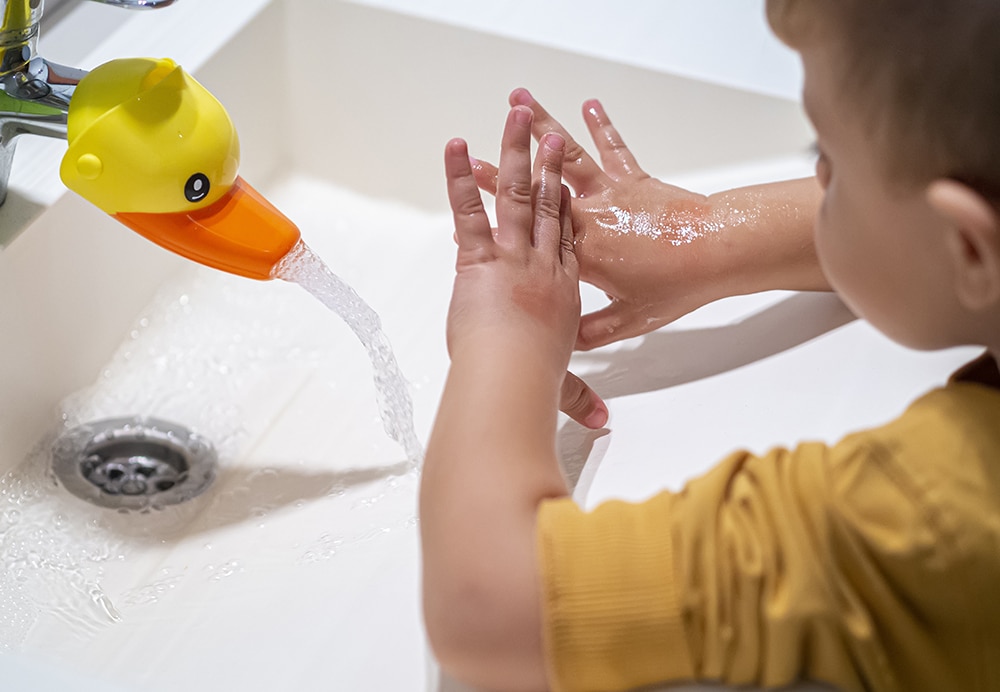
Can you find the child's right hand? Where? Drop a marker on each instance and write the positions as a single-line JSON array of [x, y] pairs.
[[648, 281], [659, 251]]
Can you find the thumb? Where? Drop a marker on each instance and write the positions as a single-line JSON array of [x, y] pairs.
[[616, 321], [581, 403]]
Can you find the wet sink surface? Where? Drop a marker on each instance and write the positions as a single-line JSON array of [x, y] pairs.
[[304, 550]]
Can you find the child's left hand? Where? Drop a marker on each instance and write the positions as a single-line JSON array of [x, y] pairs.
[[516, 291], [491, 457]]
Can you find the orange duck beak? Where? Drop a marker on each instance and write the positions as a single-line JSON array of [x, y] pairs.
[[241, 233]]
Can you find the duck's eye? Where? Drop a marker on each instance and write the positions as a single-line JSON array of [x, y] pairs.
[[196, 187]]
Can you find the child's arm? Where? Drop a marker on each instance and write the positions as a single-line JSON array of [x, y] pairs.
[[660, 251], [491, 457]]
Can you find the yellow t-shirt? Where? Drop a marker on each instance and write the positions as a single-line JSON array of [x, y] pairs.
[[873, 564]]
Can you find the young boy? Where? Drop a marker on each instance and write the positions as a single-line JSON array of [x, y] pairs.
[[871, 564]]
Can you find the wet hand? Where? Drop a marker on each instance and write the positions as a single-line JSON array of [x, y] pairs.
[[516, 285], [646, 244]]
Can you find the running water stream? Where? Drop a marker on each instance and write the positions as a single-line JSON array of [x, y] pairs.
[[303, 267]]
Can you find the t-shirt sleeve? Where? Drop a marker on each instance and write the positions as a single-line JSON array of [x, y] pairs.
[[750, 575]]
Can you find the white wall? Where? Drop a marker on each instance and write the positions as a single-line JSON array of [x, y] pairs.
[[721, 41]]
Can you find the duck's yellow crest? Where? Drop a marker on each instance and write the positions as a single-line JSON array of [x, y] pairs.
[[144, 136]]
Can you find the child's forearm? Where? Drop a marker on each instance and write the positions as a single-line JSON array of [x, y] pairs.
[[490, 461], [767, 241], [660, 251]]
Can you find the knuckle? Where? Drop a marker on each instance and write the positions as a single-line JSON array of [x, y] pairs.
[[468, 206], [551, 162], [547, 207], [518, 191], [575, 397], [566, 246], [573, 151]]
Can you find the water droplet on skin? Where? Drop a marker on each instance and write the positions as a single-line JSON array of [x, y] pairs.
[[679, 224]]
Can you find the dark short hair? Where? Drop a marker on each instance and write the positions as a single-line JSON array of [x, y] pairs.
[[925, 73]]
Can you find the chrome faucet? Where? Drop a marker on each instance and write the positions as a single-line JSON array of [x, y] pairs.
[[34, 92]]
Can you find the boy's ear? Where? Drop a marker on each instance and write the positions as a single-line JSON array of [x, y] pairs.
[[972, 241]]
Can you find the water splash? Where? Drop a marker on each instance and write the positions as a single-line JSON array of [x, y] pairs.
[[51, 557], [303, 267]]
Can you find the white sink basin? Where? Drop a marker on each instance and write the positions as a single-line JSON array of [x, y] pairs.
[[298, 569]]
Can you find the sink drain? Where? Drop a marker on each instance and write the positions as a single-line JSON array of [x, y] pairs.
[[133, 463]]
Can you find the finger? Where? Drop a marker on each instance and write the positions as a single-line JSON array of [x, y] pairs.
[[513, 205], [579, 169], [581, 403], [485, 174], [472, 225], [616, 157], [617, 321], [567, 246], [548, 194]]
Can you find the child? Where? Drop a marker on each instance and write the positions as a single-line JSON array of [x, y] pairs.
[[871, 564]]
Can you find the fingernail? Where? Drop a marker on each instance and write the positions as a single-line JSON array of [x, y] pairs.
[[554, 141], [521, 97], [595, 111], [522, 115]]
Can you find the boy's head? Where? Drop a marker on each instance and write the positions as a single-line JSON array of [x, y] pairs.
[[906, 105]]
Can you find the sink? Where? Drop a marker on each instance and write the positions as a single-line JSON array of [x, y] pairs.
[[298, 568]]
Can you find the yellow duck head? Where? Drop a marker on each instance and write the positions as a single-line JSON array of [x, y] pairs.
[[152, 147]]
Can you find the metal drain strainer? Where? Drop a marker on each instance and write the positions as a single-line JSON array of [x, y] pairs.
[[133, 463]]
